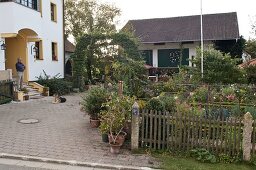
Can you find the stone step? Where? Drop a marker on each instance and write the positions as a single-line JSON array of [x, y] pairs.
[[33, 92]]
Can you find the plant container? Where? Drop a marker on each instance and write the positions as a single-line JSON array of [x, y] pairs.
[[115, 147], [94, 123]]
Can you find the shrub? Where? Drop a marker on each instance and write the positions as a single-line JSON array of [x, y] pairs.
[[117, 113], [168, 102], [200, 94], [56, 85], [252, 110], [142, 104], [228, 94], [92, 102], [251, 74], [218, 68], [155, 104]]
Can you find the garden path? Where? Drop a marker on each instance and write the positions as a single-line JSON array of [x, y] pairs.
[[63, 132]]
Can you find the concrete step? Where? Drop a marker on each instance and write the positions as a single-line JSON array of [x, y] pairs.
[[33, 92]]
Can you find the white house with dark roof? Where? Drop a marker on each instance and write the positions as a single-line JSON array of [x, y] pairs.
[[161, 39], [32, 30]]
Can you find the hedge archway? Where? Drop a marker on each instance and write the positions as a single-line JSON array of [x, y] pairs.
[[86, 46]]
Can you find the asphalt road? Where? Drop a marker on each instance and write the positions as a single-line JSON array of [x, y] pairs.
[[26, 165], [15, 167]]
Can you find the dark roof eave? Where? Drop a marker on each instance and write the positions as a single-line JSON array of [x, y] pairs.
[[220, 26]]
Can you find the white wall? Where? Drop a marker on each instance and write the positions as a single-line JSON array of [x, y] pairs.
[[155, 48], [16, 17], [20, 17], [51, 32], [2, 56]]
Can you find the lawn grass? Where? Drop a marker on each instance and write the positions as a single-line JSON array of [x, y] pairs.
[[181, 163]]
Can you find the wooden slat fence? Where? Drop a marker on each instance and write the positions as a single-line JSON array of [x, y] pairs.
[[182, 132], [254, 140]]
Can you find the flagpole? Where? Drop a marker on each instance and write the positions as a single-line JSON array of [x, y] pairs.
[[202, 42]]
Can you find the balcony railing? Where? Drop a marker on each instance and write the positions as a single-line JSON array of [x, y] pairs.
[[33, 4]]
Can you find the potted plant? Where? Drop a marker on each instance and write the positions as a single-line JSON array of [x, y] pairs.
[[113, 120], [92, 104], [104, 132]]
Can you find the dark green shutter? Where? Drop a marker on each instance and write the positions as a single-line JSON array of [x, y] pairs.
[[171, 57], [147, 55]]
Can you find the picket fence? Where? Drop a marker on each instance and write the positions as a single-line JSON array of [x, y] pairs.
[[183, 132]]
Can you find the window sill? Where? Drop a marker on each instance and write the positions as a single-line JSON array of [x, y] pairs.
[[55, 60], [54, 21], [39, 59]]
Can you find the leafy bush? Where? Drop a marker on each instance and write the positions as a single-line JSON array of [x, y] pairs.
[[203, 155], [252, 110], [251, 74], [56, 85], [169, 103], [228, 94], [183, 108], [155, 89], [92, 102], [218, 68], [155, 104], [142, 104], [200, 94], [117, 113]]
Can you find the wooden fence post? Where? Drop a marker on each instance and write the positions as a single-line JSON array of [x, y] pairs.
[[120, 88], [247, 134], [135, 127]]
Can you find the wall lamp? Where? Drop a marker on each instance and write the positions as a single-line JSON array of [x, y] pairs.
[[34, 48], [3, 46]]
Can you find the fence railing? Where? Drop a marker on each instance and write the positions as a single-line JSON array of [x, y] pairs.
[[6, 91], [181, 132]]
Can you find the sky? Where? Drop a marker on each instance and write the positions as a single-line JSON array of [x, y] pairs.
[[142, 9]]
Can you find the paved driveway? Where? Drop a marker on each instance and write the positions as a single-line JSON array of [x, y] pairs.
[[63, 132]]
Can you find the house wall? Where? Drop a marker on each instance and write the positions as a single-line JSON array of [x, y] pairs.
[[16, 48], [21, 17], [2, 54], [155, 48]]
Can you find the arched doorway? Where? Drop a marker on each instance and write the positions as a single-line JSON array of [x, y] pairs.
[[68, 68], [17, 47]]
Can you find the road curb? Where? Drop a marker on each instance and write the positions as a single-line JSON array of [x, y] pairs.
[[71, 162]]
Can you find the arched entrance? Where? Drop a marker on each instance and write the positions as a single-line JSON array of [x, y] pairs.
[[17, 47], [68, 68]]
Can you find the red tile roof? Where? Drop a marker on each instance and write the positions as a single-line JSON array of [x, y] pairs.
[[252, 62]]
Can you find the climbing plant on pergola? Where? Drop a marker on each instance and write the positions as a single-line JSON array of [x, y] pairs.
[[129, 62]]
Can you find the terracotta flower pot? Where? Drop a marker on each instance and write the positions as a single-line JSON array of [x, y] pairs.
[[120, 138], [26, 97], [94, 123], [115, 147]]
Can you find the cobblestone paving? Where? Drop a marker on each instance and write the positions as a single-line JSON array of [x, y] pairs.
[[63, 132]]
